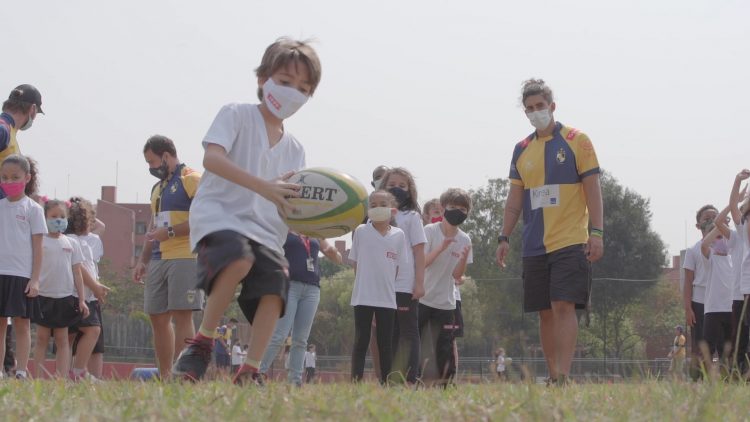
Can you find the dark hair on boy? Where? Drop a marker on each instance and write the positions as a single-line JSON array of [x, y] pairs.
[[284, 52], [411, 203], [536, 87], [159, 144], [29, 166], [456, 197], [80, 214], [702, 210]]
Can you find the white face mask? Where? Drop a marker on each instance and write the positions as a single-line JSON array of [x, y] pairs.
[[379, 214], [282, 101], [28, 124], [540, 119]]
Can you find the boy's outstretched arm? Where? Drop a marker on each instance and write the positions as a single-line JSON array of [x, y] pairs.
[[735, 196]]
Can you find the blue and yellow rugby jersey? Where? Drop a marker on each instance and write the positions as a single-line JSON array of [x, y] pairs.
[[8, 142], [550, 170], [170, 204]]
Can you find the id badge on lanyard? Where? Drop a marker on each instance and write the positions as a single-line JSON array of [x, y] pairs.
[[310, 262]]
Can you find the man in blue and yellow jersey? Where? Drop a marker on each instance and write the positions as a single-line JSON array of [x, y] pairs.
[[554, 177], [19, 111], [166, 261]]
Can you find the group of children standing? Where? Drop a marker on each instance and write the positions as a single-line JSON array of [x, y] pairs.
[[48, 275], [717, 283], [407, 267]]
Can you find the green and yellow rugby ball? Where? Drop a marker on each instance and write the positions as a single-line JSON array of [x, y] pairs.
[[331, 203]]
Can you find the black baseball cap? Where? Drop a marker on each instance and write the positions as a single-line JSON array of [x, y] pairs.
[[28, 94]]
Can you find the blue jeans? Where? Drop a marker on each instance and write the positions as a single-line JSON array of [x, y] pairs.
[[301, 305]]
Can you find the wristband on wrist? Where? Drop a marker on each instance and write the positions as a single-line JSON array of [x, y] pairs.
[[597, 232], [502, 238]]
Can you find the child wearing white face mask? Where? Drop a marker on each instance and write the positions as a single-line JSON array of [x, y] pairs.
[[60, 281], [717, 320], [378, 251], [236, 217]]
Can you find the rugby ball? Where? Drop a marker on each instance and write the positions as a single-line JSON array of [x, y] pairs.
[[330, 204]]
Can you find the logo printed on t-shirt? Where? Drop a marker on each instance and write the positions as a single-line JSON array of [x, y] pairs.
[[391, 255], [20, 217]]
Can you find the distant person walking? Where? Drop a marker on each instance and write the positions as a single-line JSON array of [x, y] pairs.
[[677, 353], [554, 177]]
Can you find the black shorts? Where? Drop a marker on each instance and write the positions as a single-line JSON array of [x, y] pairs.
[[94, 320], [458, 321], [57, 312], [269, 274], [696, 331], [562, 275], [13, 300]]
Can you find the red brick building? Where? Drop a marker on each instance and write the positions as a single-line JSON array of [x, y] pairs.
[[126, 226]]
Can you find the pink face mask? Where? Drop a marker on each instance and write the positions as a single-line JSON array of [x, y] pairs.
[[13, 189], [436, 219]]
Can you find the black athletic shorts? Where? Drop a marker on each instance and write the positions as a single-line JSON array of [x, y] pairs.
[[57, 312], [94, 320], [458, 321], [269, 274], [562, 275]]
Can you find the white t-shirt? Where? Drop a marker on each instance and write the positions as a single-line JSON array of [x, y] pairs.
[[737, 252], [95, 242], [56, 276], [310, 359], [237, 355], [439, 283], [456, 292], [223, 205], [501, 363], [745, 271], [694, 261], [720, 283], [378, 259], [88, 264], [19, 220], [411, 224]]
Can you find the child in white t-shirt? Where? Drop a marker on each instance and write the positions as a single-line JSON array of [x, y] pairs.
[[717, 320], [410, 281], [739, 250], [448, 251], [378, 251], [85, 335], [310, 358], [22, 226], [61, 294], [236, 223]]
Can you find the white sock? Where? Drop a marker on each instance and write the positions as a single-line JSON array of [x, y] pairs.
[[78, 371]]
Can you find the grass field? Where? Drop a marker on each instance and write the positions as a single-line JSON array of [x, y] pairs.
[[218, 402]]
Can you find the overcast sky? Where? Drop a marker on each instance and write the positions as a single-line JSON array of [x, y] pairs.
[[429, 85]]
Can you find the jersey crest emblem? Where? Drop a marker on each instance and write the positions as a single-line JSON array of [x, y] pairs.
[[560, 156]]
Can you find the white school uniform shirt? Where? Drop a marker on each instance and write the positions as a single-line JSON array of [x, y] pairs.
[[19, 220], [56, 276], [310, 359], [223, 205], [88, 264], [378, 258], [745, 268], [237, 355], [720, 284], [456, 292], [695, 262], [410, 223], [97, 247], [737, 251], [439, 283]]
